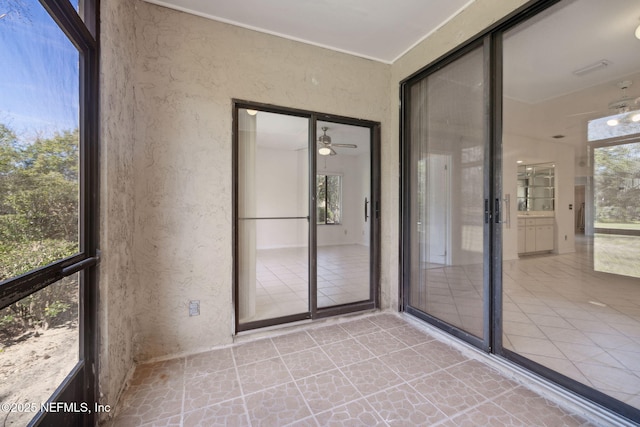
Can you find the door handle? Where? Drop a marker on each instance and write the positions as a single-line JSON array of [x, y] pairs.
[[487, 212], [507, 210], [504, 217], [366, 209]]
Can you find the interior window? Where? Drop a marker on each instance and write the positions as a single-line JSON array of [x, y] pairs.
[[329, 198]]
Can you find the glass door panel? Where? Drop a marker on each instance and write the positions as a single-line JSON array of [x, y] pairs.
[[571, 281], [343, 214], [446, 222], [273, 216]]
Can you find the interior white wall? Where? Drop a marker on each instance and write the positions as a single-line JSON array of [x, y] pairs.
[[364, 166], [351, 228], [281, 191]]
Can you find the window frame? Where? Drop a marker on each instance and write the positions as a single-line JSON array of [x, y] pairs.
[[81, 383]]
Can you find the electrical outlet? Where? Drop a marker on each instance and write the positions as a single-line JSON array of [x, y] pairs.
[[194, 308]]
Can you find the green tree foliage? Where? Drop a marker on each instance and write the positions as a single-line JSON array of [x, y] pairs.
[[38, 222], [39, 187], [617, 183]]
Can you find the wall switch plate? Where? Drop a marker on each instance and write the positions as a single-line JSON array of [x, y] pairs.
[[194, 308]]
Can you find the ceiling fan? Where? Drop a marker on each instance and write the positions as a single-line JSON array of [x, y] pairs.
[[618, 106], [326, 148]]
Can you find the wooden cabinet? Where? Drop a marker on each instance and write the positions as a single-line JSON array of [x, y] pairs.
[[535, 235]]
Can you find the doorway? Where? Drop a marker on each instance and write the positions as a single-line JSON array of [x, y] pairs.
[[306, 215]]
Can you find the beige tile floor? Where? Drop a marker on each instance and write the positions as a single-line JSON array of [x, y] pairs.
[[282, 279], [582, 323], [557, 310], [369, 371]]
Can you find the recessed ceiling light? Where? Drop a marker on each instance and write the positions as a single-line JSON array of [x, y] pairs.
[[635, 118], [613, 122], [519, 161]]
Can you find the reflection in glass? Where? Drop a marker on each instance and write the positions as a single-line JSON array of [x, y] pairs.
[[343, 186], [38, 346], [39, 110], [447, 175], [273, 229]]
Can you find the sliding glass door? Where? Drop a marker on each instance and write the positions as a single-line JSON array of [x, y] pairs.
[[521, 182], [306, 215], [345, 213], [446, 232], [571, 168], [273, 215]]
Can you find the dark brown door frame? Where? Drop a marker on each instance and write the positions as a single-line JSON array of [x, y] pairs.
[[493, 41], [314, 312]]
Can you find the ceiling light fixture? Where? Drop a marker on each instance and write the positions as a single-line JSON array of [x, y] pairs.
[[252, 112], [635, 118], [324, 151], [518, 161], [638, 32], [613, 122]]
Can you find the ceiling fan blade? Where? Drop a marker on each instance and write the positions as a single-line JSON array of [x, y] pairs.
[[345, 145], [333, 152]]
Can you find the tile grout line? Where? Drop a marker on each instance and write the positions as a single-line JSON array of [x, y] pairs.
[[295, 383], [242, 395]]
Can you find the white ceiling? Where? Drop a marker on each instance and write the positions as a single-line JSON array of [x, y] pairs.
[[381, 30], [569, 37]]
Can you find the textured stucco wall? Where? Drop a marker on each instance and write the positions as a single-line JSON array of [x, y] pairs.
[[188, 70], [166, 161], [117, 201]]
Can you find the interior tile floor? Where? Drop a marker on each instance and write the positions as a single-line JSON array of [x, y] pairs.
[[557, 310], [282, 279], [377, 370], [585, 324]]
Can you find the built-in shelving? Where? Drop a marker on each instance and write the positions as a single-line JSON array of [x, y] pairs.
[[536, 187]]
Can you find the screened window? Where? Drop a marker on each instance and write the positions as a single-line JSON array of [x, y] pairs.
[[47, 229], [329, 199]]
